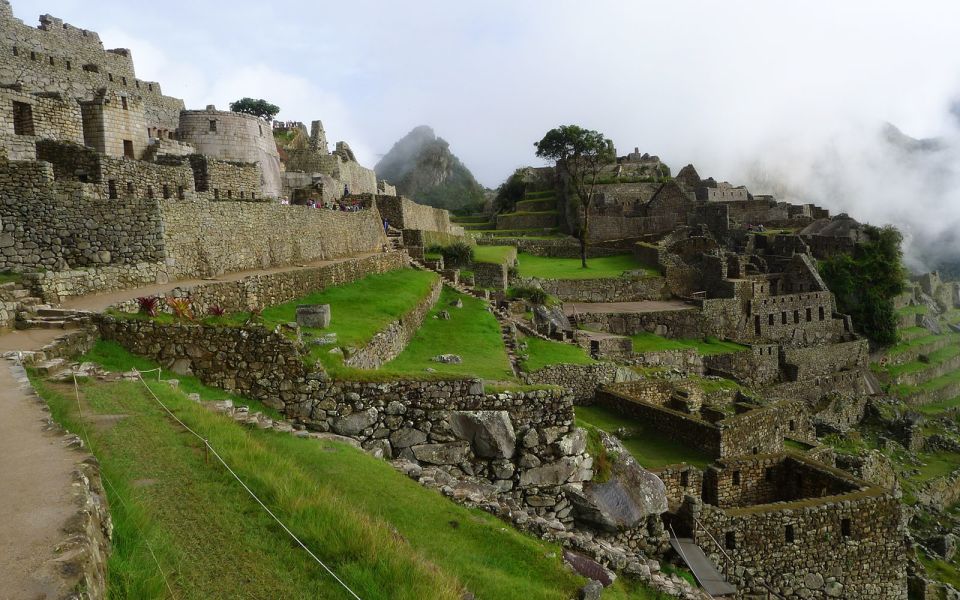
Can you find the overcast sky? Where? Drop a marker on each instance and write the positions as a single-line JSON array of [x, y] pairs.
[[736, 87]]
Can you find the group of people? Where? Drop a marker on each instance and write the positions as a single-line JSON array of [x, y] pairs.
[[758, 228]]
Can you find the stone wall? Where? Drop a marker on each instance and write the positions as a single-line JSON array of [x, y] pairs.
[[582, 380], [806, 363], [53, 226], [679, 323], [53, 117], [403, 213], [680, 480], [759, 365], [58, 286], [270, 289], [221, 180], [524, 442], [612, 289], [390, 341], [490, 275], [211, 238], [544, 220]]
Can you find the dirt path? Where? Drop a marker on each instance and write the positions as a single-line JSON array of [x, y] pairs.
[[35, 497]]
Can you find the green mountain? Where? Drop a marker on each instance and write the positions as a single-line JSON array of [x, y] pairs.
[[422, 167]]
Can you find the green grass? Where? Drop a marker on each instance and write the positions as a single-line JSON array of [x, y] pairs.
[[541, 353], [540, 195], [912, 333], [10, 277], [358, 310], [936, 408], [384, 534], [471, 332], [650, 342], [549, 233], [937, 464], [916, 309], [570, 268], [493, 254], [650, 447]]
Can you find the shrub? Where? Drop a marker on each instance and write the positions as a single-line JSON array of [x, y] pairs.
[[533, 295], [458, 254], [181, 308], [216, 311], [148, 305]]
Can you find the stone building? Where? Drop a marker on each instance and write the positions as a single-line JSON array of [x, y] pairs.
[[234, 137]]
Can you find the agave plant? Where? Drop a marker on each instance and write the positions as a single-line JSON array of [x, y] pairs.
[[148, 305], [216, 311], [181, 308]]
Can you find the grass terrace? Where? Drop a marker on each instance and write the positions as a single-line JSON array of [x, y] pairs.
[[651, 448], [570, 268], [917, 309], [382, 533], [543, 353], [472, 333], [493, 254], [650, 342]]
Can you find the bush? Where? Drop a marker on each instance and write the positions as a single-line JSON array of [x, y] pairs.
[[866, 282], [148, 305], [458, 254], [533, 295], [181, 308]]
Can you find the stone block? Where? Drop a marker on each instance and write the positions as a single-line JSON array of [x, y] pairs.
[[313, 315]]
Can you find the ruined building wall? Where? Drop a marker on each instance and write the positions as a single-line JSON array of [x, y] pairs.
[[49, 116], [113, 124], [47, 225], [407, 214], [211, 238], [219, 180], [58, 57], [234, 137]]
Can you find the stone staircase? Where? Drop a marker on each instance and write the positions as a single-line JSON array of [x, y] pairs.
[[43, 316], [395, 238]]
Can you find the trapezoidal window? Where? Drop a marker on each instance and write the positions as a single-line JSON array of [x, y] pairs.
[[213, 126], [166, 192], [180, 194], [130, 188], [731, 540], [112, 189], [736, 478], [123, 103], [128, 149], [685, 478], [788, 534], [22, 119], [845, 526], [821, 313]]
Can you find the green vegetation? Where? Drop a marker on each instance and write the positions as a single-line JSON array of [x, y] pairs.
[[866, 282], [459, 254], [581, 154], [571, 268], [471, 332], [258, 108], [650, 342], [10, 277], [533, 295], [541, 353], [493, 254], [650, 447], [916, 309], [358, 310], [381, 532]]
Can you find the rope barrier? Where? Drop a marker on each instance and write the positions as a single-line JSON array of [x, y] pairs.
[[86, 435], [206, 443]]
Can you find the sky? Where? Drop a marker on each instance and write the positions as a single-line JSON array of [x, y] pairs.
[[781, 96]]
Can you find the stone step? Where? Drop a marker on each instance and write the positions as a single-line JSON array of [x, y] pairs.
[[20, 293], [51, 367], [52, 324], [48, 311]]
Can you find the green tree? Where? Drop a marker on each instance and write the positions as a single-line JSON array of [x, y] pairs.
[[258, 108], [866, 282], [580, 154], [510, 192]]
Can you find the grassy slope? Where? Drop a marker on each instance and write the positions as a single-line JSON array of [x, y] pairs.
[[383, 533], [651, 448], [570, 268], [541, 353], [650, 342], [471, 332]]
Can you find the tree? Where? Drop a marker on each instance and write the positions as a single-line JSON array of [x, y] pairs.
[[258, 108], [580, 154], [866, 282]]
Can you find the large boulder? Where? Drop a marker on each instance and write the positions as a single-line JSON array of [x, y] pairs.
[[626, 499], [550, 321], [550, 474], [490, 432], [355, 423]]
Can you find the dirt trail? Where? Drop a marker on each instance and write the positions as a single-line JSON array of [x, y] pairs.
[[35, 498]]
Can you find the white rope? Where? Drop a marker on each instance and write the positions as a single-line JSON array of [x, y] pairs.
[[83, 426], [249, 491]]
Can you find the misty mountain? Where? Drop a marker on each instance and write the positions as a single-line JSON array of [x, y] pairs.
[[422, 167]]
